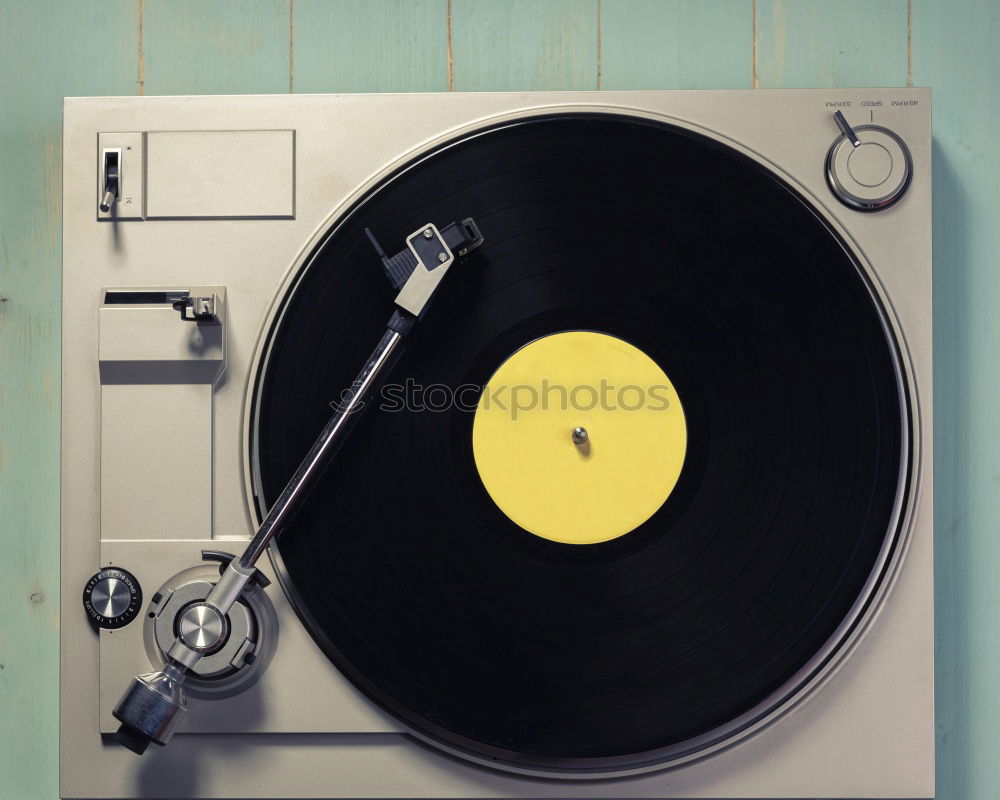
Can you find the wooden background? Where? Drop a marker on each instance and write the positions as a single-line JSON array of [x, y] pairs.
[[53, 48]]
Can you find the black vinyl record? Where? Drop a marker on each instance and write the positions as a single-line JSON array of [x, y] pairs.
[[530, 653]]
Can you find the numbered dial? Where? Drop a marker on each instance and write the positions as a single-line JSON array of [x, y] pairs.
[[112, 598], [869, 170]]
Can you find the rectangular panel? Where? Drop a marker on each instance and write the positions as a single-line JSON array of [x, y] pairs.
[[144, 337], [156, 461], [676, 44], [883, 710], [218, 174]]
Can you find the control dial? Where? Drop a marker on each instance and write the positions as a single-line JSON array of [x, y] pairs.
[[868, 167], [112, 598]]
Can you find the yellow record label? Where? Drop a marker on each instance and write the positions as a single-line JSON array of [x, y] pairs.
[[579, 437]]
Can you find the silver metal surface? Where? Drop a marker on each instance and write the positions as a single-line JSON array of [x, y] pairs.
[[110, 597], [230, 585], [423, 281], [181, 655], [196, 309], [863, 725], [245, 654], [111, 175], [580, 435], [202, 628], [187, 653], [871, 173], [204, 306], [127, 203], [154, 704], [181, 595], [846, 129]]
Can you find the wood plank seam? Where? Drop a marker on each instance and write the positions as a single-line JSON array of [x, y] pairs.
[[141, 80], [599, 63], [909, 42], [451, 53]]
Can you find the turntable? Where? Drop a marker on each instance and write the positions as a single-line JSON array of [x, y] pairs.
[[497, 445]]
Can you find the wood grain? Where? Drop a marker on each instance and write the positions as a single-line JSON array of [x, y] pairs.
[[371, 46], [955, 52], [512, 45], [48, 49], [684, 44], [216, 46], [814, 43]]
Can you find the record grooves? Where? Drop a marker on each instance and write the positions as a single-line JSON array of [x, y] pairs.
[[538, 654]]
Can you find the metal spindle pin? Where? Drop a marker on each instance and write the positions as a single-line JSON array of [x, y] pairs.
[[580, 436]]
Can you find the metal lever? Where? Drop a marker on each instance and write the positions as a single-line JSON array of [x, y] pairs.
[[202, 308], [112, 179], [846, 129]]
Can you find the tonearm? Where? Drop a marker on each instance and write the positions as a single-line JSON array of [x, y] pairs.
[[152, 706]]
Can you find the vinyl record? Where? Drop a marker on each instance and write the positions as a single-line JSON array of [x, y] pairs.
[[733, 590]]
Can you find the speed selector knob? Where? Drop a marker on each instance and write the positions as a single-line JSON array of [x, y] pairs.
[[868, 167], [112, 598]]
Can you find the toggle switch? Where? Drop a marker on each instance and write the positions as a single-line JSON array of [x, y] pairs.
[[111, 170], [120, 176]]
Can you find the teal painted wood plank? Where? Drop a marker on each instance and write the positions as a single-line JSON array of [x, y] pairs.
[[516, 45], [955, 52], [48, 49], [216, 47], [370, 46], [816, 43], [676, 44]]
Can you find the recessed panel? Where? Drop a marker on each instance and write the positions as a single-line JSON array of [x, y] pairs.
[[220, 174]]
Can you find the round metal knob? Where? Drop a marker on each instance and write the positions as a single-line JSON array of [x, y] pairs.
[[202, 628], [112, 598], [872, 172]]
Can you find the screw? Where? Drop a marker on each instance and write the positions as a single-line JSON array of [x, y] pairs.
[[580, 435], [428, 233], [442, 257]]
